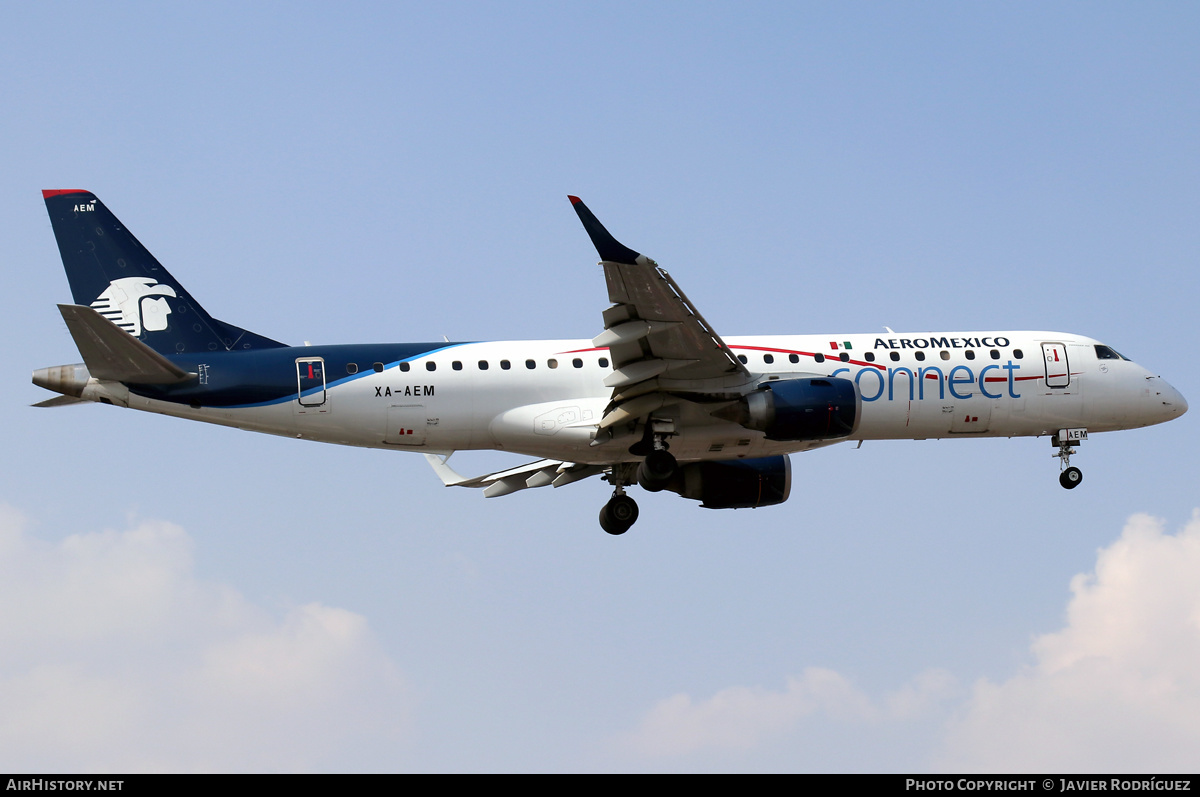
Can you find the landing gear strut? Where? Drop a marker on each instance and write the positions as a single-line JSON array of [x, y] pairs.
[[1070, 477], [659, 466], [621, 511], [653, 473]]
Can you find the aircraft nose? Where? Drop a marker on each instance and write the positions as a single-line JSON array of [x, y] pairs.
[[1173, 402], [1180, 402]]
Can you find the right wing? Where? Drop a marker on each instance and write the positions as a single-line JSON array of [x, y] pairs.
[[533, 474]]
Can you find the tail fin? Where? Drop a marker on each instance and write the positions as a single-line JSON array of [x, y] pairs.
[[111, 272]]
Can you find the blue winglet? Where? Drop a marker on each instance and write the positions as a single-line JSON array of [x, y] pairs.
[[609, 248]]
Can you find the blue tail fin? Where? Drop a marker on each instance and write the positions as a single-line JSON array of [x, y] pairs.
[[111, 272]]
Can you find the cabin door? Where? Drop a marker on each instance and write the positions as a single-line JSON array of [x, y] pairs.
[[1058, 371], [310, 385]]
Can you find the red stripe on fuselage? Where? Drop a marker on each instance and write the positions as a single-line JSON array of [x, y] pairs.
[[812, 354], [836, 360]]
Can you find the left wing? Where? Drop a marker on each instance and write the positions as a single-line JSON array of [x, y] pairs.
[[533, 474], [663, 351]]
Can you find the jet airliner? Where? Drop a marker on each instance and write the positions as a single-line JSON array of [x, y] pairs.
[[657, 399]]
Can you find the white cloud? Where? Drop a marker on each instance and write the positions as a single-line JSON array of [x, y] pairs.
[[740, 718], [115, 657], [1117, 689]]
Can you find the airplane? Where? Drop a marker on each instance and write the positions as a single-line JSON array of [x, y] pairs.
[[657, 398]]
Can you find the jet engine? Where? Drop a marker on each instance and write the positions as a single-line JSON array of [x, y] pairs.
[[821, 408], [735, 483]]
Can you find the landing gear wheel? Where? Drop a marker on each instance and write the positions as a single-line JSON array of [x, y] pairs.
[[618, 514], [1071, 478], [656, 470]]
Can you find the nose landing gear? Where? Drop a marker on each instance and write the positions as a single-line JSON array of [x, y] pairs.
[[1070, 477]]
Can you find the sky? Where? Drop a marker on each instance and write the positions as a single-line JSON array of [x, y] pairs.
[[183, 597]]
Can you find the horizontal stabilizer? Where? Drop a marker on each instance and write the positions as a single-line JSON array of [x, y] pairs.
[[60, 401], [113, 354]]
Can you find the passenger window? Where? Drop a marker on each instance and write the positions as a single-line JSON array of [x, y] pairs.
[[945, 355], [1018, 354], [895, 356], [530, 364], [552, 363], [603, 362], [742, 359], [483, 365], [995, 354], [793, 358], [431, 366], [819, 357], [352, 368], [505, 365], [920, 356], [970, 354], [768, 358], [403, 366], [844, 357], [379, 367], [869, 356], [577, 363], [456, 365]]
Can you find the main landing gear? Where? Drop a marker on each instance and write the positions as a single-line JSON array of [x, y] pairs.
[[658, 468], [621, 511], [619, 514], [654, 473], [1070, 477]]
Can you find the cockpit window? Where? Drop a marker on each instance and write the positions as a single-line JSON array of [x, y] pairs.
[[1105, 353]]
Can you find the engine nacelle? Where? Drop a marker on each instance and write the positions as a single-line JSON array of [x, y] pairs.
[[736, 483], [818, 408]]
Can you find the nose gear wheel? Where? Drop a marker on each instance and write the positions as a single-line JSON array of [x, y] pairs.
[[1069, 477]]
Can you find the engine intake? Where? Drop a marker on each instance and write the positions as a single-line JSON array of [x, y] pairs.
[[821, 408]]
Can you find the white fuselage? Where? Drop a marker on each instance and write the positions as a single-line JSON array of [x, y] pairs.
[[549, 399]]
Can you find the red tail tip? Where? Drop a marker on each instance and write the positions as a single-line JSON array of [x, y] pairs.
[[574, 199], [46, 194]]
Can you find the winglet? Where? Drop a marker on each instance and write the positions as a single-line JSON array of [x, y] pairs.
[[609, 248], [447, 474]]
